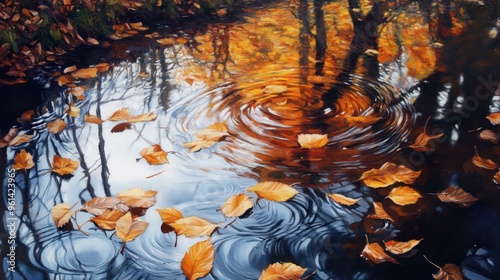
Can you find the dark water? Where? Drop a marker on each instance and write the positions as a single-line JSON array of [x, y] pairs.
[[219, 76]]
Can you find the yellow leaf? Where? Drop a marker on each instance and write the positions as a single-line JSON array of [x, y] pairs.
[[154, 155], [128, 229], [56, 126], [198, 145], [455, 194], [193, 226], [375, 253], [389, 174], [23, 161], [236, 205], [120, 115], [311, 141], [170, 215], [494, 118], [61, 213], [63, 166], [73, 111], [143, 118], [343, 200], [93, 119], [199, 260], [85, 73], [361, 121], [100, 205], [399, 247], [274, 191], [404, 196], [272, 89], [108, 219], [282, 271], [380, 213], [137, 197], [213, 132]]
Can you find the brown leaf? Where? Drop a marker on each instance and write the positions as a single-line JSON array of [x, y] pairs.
[[198, 145], [138, 198], [170, 214], [455, 194], [166, 42], [496, 178], [26, 116], [70, 69], [494, 118], [56, 126], [4, 142], [483, 162], [375, 253], [154, 155], [214, 132], [236, 205], [361, 121], [399, 247], [143, 118], [85, 73], [282, 271], [63, 166], [404, 196], [274, 191], [99, 205], [23, 161], [102, 67], [65, 79], [20, 139], [449, 272], [128, 229], [193, 226], [120, 115], [108, 219], [380, 213], [422, 140], [311, 141], [93, 119], [389, 174], [121, 127], [489, 136], [73, 111], [61, 213], [199, 260], [343, 200]]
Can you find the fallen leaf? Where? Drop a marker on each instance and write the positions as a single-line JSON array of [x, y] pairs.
[[61, 213], [399, 247], [449, 272], [120, 115], [236, 205], [198, 145], [375, 253], [26, 116], [128, 229], [170, 214], [56, 126], [489, 136], [65, 79], [92, 41], [198, 260], [23, 161], [108, 219], [70, 69], [214, 132], [361, 121], [455, 194], [272, 89], [496, 178], [85, 73], [311, 141], [99, 205], [20, 139], [494, 118], [93, 119], [12, 82], [73, 111], [143, 118], [343, 200], [102, 67], [380, 213], [121, 127], [483, 162], [316, 80], [371, 52], [166, 41], [154, 155], [422, 140], [77, 91], [63, 166], [404, 196], [4, 142], [274, 191], [389, 174], [193, 226], [138, 198], [282, 271]]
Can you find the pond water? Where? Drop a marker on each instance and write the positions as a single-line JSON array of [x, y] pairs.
[[217, 72]]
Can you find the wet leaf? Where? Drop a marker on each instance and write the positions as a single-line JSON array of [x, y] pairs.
[[170, 214], [85, 73], [380, 213], [65, 79], [70, 69], [26, 116], [198, 145], [389, 174], [143, 118], [422, 140], [93, 119], [274, 191], [310, 141], [99, 205], [137, 197], [64, 166], [166, 41], [282, 271], [343, 200], [121, 127], [361, 121], [375, 253], [128, 229], [108, 219], [496, 178], [494, 118], [78, 91], [193, 227], [198, 260], [120, 115], [483, 162], [449, 272], [489, 136], [316, 80], [23, 161], [20, 139], [455, 194], [214, 132], [236, 205], [4, 142], [404, 196], [399, 247], [102, 67], [154, 155], [73, 111], [272, 89], [61, 213], [371, 52], [12, 82], [56, 126]]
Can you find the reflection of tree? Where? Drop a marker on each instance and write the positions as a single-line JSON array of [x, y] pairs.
[[319, 19], [102, 152], [304, 31], [220, 45]]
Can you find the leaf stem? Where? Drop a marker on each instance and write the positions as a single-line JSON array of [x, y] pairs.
[[438, 267]]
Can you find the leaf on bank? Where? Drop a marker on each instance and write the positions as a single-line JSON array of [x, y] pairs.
[[64, 166], [61, 213], [449, 272], [389, 174], [312, 141], [483, 162], [154, 155], [274, 191], [198, 260], [93, 119], [193, 227], [282, 271], [127, 229], [343, 200], [400, 247], [236, 205], [380, 212], [404, 196], [138, 198], [494, 118], [23, 161], [121, 127], [108, 219], [56, 126], [456, 195], [85, 73], [272, 89], [99, 205]]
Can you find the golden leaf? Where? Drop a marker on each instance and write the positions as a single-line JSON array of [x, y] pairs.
[[343, 200], [198, 145], [483, 162], [93, 119], [70, 69], [361, 121], [496, 178], [389, 174], [73, 111], [166, 41], [193, 226], [102, 67], [489, 136], [494, 118], [380, 213], [56, 126], [422, 140], [310, 141], [137, 197], [274, 191], [121, 127], [120, 115], [65, 79], [404, 196], [23, 161], [213, 132], [85, 73], [236, 205], [399, 247], [128, 229], [63, 166], [108, 219], [61, 213], [170, 214], [154, 155], [449, 272], [143, 118], [375, 253], [99, 205], [198, 260], [272, 89], [455, 194], [282, 271]]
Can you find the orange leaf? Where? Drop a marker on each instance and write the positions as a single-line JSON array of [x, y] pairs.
[[170, 215], [102, 67], [404, 196], [274, 191], [484, 163], [361, 121], [494, 118], [121, 127], [422, 140], [311, 141], [496, 178], [236, 205], [128, 229], [85, 73], [20, 139], [93, 119], [398, 247], [154, 155], [70, 69], [14, 82], [26, 116], [193, 226], [380, 213], [389, 174], [73, 111], [99, 205], [56, 126], [272, 89], [489, 136], [65, 79], [120, 115], [166, 41], [343, 200], [78, 91], [198, 145], [375, 253], [61, 213], [199, 260], [137, 197], [449, 272], [455, 194], [63, 166], [143, 118], [108, 219], [214, 132], [4, 142], [282, 271], [23, 160]]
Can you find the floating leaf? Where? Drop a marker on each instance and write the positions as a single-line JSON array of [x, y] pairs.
[[70, 69], [65, 79], [198, 145], [99, 205], [154, 155], [282, 271], [137, 197], [404, 196], [78, 91], [85, 73], [449, 272], [455, 194], [26, 116], [4, 142], [143, 118], [399, 247], [93, 119], [193, 226], [343, 200], [61, 213], [361, 121], [483, 162], [310, 141], [274, 191], [375, 253], [121, 127], [198, 260], [489, 136], [63, 166], [496, 178], [23, 161], [422, 140], [170, 215], [73, 111], [380, 213], [20, 139], [108, 219], [371, 52], [389, 174], [272, 89], [494, 118], [56, 126], [236, 205], [166, 41], [120, 115], [128, 229], [213, 132], [102, 67]]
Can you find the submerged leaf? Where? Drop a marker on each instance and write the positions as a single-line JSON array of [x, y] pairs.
[[64, 166], [389, 174], [343, 200], [236, 205], [455, 194], [154, 155], [399, 247], [310, 141], [274, 191], [404, 196], [193, 227], [23, 161], [61, 213], [127, 229], [282, 271], [198, 261]]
